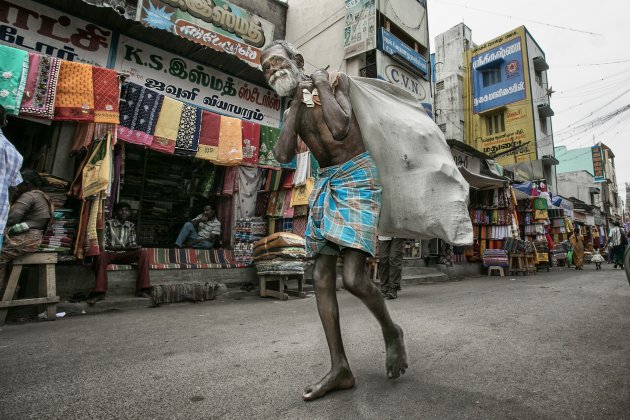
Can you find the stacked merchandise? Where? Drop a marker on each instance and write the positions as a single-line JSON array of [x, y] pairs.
[[558, 255], [60, 235], [280, 254], [246, 233], [495, 257], [542, 254], [560, 227], [492, 213], [534, 217]]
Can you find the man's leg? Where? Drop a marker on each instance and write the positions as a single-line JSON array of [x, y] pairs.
[[395, 264], [142, 281], [356, 282], [188, 232], [101, 272], [340, 376], [383, 265]]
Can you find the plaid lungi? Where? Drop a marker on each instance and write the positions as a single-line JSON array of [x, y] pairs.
[[344, 206]]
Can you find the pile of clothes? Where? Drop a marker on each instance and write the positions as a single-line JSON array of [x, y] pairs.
[[282, 253]]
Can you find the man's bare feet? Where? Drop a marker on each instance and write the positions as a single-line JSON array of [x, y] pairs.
[[335, 380], [396, 359]]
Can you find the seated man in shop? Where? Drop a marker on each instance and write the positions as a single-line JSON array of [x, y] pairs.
[[201, 232], [121, 248], [344, 206], [28, 218]]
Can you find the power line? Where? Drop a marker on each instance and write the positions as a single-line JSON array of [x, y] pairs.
[[592, 64], [566, 28]]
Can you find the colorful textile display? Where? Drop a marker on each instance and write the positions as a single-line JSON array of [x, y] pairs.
[[251, 143], [230, 142], [299, 225], [75, 94], [14, 65], [61, 234], [41, 86], [187, 142], [97, 171], [268, 139], [139, 112], [209, 136], [188, 258], [106, 87], [303, 169], [300, 194], [167, 126], [275, 242], [287, 209]]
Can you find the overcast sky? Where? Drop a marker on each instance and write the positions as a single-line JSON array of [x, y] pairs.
[[583, 92]]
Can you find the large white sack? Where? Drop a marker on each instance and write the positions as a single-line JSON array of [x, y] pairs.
[[424, 194]]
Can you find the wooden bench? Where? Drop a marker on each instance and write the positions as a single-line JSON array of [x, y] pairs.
[[47, 284], [281, 293]]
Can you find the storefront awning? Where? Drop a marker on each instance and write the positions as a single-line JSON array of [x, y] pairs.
[[482, 181]]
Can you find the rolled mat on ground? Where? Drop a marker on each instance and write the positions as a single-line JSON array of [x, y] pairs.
[[181, 292], [424, 194]]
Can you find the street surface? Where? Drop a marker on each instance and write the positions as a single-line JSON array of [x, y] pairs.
[[551, 346]]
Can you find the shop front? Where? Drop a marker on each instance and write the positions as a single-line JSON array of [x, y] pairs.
[[122, 120]]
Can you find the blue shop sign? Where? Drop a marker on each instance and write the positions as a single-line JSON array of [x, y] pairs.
[[393, 46]]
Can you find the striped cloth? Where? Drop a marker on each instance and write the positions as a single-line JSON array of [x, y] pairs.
[[174, 258], [345, 206]]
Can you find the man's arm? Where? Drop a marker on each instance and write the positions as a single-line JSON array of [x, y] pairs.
[[285, 148], [336, 106]]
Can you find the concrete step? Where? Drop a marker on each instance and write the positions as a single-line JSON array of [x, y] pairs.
[[425, 278], [414, 262]]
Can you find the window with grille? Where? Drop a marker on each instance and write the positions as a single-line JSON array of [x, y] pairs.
[[495, 124], [439, 86], [491, 76]]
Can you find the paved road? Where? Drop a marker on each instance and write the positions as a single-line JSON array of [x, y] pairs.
[[551, 346]]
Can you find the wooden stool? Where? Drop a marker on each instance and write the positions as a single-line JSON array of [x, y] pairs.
[[47, 284], [517, 264], [496, 268], [281, 279], [373, 268]]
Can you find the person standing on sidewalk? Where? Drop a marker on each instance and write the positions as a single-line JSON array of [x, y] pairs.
[[390, 265]]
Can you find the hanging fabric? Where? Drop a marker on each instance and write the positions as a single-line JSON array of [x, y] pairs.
[[287, 209], [97, 171], [268, 139], [106, 87], [230, 142], [75, 94], [41, 86], [229, 181], [251, 143], [303, 168], [187, 142], [14, 65], [167, 126], [139, 112], [248, 179], [300, 194], [209, 136]]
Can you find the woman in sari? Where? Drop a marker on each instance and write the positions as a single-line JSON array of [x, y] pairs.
[[577, 243]]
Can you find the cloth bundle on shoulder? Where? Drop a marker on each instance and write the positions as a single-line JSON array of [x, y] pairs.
[[424, 194]]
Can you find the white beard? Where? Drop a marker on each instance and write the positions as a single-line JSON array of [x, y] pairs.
[[285, 81]]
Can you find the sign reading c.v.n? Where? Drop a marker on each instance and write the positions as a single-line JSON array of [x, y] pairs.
[[393, 46], [193, 83], [498, 76], [216, 24], [31, 26]]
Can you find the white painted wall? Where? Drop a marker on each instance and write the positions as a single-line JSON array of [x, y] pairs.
[[577, 184], [316, 29]]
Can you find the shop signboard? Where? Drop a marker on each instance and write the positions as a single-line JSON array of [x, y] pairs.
[[498, 76], [471, 163], [359, 32], [410, 16], [599, 173], [389, 70], [502, 114], [590, 220], [33, 27], [215, 24], [196, 84], [394, 47]]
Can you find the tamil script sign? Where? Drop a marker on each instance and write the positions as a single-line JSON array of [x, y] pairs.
[[393, 46], [599, 171], [498, 77], [215, 24], [193, 83], [31, 26], [359, 32]]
